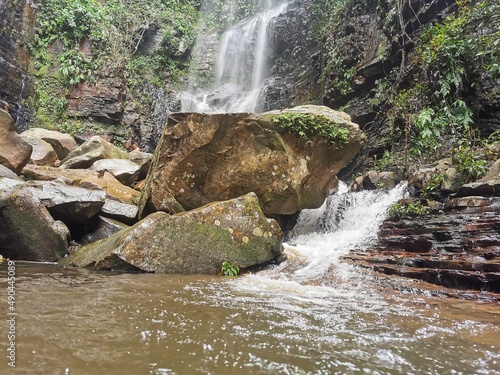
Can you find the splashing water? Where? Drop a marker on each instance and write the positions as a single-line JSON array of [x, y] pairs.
[[345, 222]]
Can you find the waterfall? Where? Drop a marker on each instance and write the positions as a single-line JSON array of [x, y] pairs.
[[346, 221], [240, 68]]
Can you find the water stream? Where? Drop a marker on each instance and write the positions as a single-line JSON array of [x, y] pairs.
[[312, 314], [240, 68]]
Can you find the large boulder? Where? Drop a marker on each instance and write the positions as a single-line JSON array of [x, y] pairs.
[[194, 242], [74, 206], [14, 151], [62, 143], [203, 158], [95, 148], [28, 231]]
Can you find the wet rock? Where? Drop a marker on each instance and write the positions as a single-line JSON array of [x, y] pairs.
[[14, 151], [72, 205], [372, 180], [112, 187], [484, 188], [28, 231], [62, 143], [194, 242], [203, 158], [95, 148], [17, 28], [457, 248], [123, 170], [43, 154], [68, 176], [470, 201], [102, 228]]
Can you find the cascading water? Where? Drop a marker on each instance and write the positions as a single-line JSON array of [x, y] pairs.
[[241, 68], [345, 222]]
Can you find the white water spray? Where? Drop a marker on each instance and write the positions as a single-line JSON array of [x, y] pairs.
[[345, 222]]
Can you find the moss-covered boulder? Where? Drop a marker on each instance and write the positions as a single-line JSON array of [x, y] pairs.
[[194, 242], [289, 158]]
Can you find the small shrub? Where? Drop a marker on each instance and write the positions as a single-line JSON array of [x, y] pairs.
[[473, 168], [229, 269], [410, 209]]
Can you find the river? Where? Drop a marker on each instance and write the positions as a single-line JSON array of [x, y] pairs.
[[313, 314]]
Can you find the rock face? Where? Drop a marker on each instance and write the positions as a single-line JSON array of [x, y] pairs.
[[195, 242], [28, 231], [102, 100], [204, 158], [14, 151], [17, 20], [457, 248]]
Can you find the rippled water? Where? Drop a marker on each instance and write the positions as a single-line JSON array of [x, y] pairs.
[[73, 321], [313, 314]]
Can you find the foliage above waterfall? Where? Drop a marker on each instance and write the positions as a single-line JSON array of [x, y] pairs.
[[83, 40], [307, 125]]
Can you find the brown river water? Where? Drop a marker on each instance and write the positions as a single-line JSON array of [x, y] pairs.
[[313, 314], [72, 321]]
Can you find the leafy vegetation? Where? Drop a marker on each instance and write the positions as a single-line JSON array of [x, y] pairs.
[[409, 209], [339, 48], [229, 269], [427, 99], [470, 164], [84, 40], [307, 125]]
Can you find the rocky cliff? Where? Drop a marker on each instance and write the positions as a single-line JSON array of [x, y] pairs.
[[17, 21]]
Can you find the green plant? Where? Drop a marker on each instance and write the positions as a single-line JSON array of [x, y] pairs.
[[307, 125], [433, 186], [409, 209], [471, 165], [229, 269], [381, 163]]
